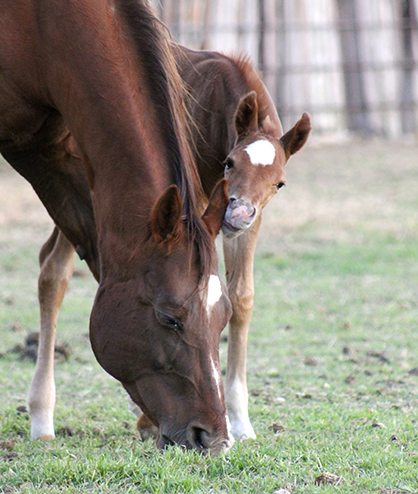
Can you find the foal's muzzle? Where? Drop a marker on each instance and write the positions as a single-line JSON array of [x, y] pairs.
[[239, 215]]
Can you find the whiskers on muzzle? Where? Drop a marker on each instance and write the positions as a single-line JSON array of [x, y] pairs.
[[195, 438]]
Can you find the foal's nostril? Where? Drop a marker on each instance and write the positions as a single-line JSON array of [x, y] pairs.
[[200, 438]]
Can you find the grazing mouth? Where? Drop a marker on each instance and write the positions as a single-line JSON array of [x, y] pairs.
[[165, 442], [196, 439]]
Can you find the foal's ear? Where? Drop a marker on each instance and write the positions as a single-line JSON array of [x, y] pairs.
[[246, 116], [296, 137], [215, 212], [166, 216]]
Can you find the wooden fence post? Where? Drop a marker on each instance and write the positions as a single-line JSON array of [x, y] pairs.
[[355, 99], [408, 27]]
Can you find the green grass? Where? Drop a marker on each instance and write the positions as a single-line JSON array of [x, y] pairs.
[[332, 343]]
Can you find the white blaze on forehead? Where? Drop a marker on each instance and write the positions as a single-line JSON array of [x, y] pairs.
[[214, 292], [216, 377], [261, 152]]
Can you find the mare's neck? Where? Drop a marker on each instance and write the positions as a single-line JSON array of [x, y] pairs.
[[99, 84]]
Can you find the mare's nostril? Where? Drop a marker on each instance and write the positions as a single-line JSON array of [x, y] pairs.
[[200, 438]]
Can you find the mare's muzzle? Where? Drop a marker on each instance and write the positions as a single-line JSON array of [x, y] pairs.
[[197, 438], [239, 215]]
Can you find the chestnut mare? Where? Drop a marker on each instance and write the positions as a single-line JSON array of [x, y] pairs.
[[236, 132], [102, 70]]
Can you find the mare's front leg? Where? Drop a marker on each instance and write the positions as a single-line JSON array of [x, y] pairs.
[[239, 262], [56, 260]]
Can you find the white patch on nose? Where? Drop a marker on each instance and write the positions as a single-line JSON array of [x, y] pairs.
[[214, 292], [261, 152], [216, 376]]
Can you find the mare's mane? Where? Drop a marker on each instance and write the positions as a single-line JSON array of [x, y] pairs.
[[167, 92]]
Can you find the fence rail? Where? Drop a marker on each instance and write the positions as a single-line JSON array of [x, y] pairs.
[[353, 64]]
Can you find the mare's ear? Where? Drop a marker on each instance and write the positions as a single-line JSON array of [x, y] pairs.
[[215, 212], [246, 116], [296, 137], [166, 216]]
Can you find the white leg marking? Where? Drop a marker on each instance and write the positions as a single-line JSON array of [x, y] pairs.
[[261, 152], [237, 404], [230, 436], [41, 407]]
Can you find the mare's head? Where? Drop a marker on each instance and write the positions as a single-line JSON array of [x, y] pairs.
[[173, 306], [255, 167]]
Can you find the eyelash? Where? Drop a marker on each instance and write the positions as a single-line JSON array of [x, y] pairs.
[[169, 321]]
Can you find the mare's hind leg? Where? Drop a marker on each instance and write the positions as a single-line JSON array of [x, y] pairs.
[[57, 265], [239, 262]]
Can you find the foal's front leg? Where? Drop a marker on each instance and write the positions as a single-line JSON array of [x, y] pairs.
[[239, 262], [57, 266]]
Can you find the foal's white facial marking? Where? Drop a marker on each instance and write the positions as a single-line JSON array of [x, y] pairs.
[[214, 292], [261, 152], [216, 376]]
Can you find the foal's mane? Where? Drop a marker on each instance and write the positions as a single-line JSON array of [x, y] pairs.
[[167, 92], [254, 82]]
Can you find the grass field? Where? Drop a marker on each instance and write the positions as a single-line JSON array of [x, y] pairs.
[[333, 350]]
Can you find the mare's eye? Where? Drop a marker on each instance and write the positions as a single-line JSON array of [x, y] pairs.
[[279, 185], [229, 163], [169, 321]]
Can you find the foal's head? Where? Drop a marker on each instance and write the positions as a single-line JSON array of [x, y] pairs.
[[255, 167], [174, 308]]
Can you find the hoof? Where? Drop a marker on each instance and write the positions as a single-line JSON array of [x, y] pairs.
[[243, 432], [47, 437]]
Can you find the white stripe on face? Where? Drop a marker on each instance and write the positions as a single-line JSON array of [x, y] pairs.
[[216, 377], [214, 292], [261, 152]]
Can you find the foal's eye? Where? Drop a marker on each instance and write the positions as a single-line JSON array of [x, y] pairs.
[[229, 163], [279, 185], [168, 321]]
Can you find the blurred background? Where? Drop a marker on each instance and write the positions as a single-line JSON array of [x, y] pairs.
[[352, 64]]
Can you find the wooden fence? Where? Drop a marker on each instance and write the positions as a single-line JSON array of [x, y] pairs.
[[352, 64]]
